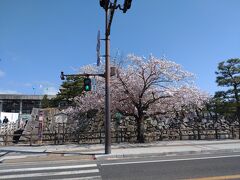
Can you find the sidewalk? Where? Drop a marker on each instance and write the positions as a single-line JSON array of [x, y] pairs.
[[161, 148]]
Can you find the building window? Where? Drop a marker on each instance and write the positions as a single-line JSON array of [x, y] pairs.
[[11, 106]]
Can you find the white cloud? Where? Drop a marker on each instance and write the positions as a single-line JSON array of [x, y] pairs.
[[50, 91], [37, 88], [27, 84], [1, 73], [9, 92]]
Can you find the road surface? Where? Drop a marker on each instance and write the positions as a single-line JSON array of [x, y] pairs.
[[195, 167]]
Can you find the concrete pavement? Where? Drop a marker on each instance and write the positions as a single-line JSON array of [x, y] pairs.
[[123, 150]]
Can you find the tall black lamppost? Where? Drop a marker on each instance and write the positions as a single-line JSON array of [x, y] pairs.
[[109, 8]]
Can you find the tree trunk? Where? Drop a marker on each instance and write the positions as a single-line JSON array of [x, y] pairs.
[[238, 107], [140, 130], [238, 119]]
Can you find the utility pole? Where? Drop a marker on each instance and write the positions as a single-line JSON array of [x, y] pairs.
[[109, 8]]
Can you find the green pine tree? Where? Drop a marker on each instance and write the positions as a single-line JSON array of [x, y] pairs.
[[70, 88], [228, 76]]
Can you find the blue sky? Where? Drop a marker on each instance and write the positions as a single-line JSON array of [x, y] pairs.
[[41, 38]]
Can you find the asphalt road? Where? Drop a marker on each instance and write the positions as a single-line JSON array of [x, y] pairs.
[[207, 166]]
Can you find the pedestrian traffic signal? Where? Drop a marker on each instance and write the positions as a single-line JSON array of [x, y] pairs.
[[87, 84]]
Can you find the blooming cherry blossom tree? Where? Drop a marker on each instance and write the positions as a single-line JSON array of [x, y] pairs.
[[144, 87]]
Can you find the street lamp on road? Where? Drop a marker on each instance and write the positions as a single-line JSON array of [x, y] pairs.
[[109, 8]]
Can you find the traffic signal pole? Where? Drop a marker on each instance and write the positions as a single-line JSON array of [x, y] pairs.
[[109, 8], [107, 87]]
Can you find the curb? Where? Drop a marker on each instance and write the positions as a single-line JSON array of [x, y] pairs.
[[124, 156]]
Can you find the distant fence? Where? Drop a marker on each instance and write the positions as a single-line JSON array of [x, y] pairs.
[[78, 137], [8, 127]]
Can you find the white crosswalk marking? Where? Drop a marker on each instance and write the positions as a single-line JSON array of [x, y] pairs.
[[47, 168], [49, 172]]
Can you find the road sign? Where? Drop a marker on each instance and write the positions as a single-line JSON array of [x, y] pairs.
[[98, 49]]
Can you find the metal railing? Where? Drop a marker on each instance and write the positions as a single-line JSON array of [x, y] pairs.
[[80, 137]]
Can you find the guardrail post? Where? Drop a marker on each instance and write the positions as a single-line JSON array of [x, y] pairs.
[[239, 132], [216, 133], [31, 138], [78, 136], [58, 139], [6, 139], [121, 134], [232, 131], [55, 137], [180, 134], [100, 136], [195, 137], [199, 135], [63, 133]]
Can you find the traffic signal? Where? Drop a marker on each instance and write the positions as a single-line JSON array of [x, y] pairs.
[[127, 5], [87, 84], [62, 76], [104, 4]]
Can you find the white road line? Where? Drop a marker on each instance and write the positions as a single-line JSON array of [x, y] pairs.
[[41, 162], [167, 160], [82, 178], [48, 168], [49, 174]]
